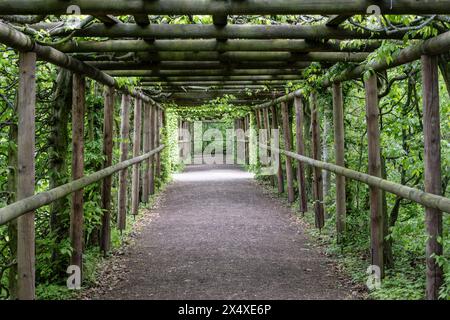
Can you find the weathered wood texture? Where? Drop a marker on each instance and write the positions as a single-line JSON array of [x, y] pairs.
[[318, 183], [124, 149], [108, 133], [338, 122], [300, 147], [275, 127], [374, 152], [287, 136], [151, 177], [433, 175], [137, 134], [146, 147], [26, 109], [77, 213]]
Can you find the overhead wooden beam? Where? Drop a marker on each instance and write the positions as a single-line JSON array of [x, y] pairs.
[[336, 20], [108, 19], [208, 45], [213, 82], [231, 31], [241, 56], [22, 42], [202, 73], [223, 78], [211, 7], [141, 19], [434, 46], [196, 65]]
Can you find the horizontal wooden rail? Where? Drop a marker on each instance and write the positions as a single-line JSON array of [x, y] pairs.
[[214, 7], [426, 199], [21, 207]]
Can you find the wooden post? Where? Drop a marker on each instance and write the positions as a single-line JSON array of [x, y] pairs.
[[247, 139], [124, 137], [303, 198], [158, 141], [432, 161], [76, 219], [338, 119], [108, 125], [287, 134], [146, 149], [135, 179], [151, 178], [268, 135], [26, 175], [373, 135], [317, 185], [280, 180]]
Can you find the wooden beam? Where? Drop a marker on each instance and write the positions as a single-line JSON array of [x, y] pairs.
[[231, 31], [141, 19], [433, 175], [287, 136], [203, 73], [22, 42], [196, 65], [26, 108], [108, 19], [108, 133], [300, 148], [77, 212], [336, 20], [212, 7], [315, 145], [338, 121], [221, 78], [124, 142], [290, 45], [135, 178], [374, 152], [158, 143]]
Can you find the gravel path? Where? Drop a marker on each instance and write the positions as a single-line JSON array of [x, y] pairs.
[[218, 235]]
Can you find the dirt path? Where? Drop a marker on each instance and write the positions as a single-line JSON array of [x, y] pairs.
[[219, 236]]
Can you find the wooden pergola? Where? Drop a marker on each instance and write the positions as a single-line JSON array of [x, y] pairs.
[[224, 58]]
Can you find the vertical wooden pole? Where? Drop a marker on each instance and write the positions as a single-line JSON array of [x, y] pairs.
[[123, 175], [146, 146], [247, 139], [338, 119], [268, 136], [287, 135], [158, 141], [373, 135], [280, 180], [433, 183], [152, 146], [299, 116], [76, 221], [135, 178], [108, 125], [26, 175], [317, 185]]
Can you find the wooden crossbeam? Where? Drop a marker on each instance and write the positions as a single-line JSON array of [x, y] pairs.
[[213, 7], [205, 73], [108, 20], [205, 31], [336, 20], [141, 19]]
